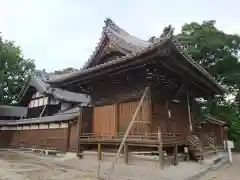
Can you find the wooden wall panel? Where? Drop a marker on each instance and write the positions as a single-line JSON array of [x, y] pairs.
[[179, 117], [126, 112], [159, 117], [104, 120], [39, 138], [73, 137], [177, 123], [217, 130]]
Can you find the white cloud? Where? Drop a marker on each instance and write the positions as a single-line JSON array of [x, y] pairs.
[[63, 33]]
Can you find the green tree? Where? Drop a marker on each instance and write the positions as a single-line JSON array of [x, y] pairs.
[[218, 53], [215, 50], [14, 69]]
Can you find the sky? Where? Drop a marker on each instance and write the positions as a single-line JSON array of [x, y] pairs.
[[63, 33]]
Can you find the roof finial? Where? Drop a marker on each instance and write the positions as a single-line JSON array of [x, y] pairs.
[[152, 39], [167, 31], [109, 23]]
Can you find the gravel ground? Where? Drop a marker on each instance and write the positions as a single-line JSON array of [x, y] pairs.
[[228, 172], [27, 166], [15, 166]]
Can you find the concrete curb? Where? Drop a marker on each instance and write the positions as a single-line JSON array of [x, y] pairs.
[[218, 163], [40, 151]]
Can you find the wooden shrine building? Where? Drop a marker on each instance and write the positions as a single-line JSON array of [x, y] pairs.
[[154, 83], [46, 119], [41, 99]]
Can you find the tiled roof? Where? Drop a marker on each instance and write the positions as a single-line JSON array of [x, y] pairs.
[[12, 111], [37, 81], [213, 120], [120, 38], [45, 119], [144, 47]]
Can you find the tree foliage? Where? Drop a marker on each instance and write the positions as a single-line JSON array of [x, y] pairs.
[[14, 69], [215, 50], [219, 54]]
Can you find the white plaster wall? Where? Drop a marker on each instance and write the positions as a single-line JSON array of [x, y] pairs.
[[26, 127], [43, 126], [9, 128], [34, 126], [4, 128], [13, 128], [53, 125], [19, 127]]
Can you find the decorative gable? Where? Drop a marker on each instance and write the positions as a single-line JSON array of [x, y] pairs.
[[114, 43]]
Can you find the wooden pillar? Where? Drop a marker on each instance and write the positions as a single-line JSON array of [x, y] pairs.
[[189, 114], [160, 149], [79, 128], [68, 136], [116, 119], [126, 153], [175, 159], [99, 151], [222, 137], [187, 153]]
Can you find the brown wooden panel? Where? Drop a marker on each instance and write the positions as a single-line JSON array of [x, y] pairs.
[[104, 120], [126, 111], [38, 138], [178, 122], [160, 117], [179, 117], [73, 137]]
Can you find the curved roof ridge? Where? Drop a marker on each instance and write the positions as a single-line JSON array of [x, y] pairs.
[[125, 40]]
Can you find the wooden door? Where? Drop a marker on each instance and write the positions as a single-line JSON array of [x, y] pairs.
[[104, 120], [126, 112]]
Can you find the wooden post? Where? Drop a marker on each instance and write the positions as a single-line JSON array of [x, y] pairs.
[[160, 149], [68, 136], [222, 135], [175, 159], [79, 128], [189, 114], [187, 153], [126, 153], [99, 151]]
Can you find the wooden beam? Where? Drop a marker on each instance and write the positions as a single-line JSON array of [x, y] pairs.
[[126, 153], [68, 136], [160, 149], [175, 159], [116, 118], [79, 127], [222, 136], [99, 151], [127, 133], [43, 111], [189, 114]]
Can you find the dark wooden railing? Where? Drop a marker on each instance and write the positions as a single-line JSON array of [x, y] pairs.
[[207, 139], [166, 137]]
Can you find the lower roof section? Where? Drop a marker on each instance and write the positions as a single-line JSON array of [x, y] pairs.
[[46, 119], [12, 111]]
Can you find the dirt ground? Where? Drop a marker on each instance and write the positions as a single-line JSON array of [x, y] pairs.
[[228, 172], [14, 166], [24, 166]]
